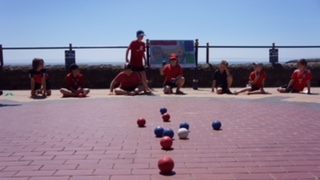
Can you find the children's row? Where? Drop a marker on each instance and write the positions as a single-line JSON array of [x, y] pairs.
[[129, 81]]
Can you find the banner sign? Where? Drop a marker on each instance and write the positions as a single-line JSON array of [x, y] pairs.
[[161, 50]]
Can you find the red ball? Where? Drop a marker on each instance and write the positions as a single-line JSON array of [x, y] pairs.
[[81, 95], [166, 117], [166, 142], [166, 165], [141, 122]]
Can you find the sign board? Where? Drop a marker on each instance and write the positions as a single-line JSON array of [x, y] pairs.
[[161, 50], [70, 58], [273, 55]]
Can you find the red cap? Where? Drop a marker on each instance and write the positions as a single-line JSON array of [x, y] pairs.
[[173, 57]]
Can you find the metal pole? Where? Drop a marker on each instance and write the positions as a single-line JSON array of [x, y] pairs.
[[1, 56], [207, 54], [149, 81], [195, 79], [70, 47]]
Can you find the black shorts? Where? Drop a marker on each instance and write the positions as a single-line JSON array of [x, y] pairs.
[[39, 86], [289, 90], [137, 69], [129, 88], [225, 89], [254, 88], [172, 85]]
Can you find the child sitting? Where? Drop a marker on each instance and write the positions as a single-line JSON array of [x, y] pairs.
[[256, 81], [300, 78], [74, 84]]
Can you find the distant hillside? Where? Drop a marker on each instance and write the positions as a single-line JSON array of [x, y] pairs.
[[314, 60]]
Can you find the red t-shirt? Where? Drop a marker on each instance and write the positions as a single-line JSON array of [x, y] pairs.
[[300, 79], [137, 52], [128, 82], [74, 82], [38, 75], [258, 83], [172, 72]]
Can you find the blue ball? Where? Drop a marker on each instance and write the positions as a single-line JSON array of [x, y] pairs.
[[216, 125], [168, 132], [158, 131], [184, 125], [163, 110]]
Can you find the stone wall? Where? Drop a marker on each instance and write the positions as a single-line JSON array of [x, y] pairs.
[[100, 76]]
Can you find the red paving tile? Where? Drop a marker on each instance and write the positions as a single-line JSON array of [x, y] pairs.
[[99, 139]]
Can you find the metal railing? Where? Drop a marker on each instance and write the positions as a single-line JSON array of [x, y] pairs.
[[197, 46]]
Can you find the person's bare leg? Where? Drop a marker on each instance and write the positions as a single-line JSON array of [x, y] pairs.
[[139, 89], [179, 83], [167, 90], [67, 93], [144, 81], [256, 92], [229, 80], [219, 90], [243, 90], [86, 91], [119, 91], [281, 90]]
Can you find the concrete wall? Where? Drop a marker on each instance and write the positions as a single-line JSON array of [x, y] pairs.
[[100, 76]]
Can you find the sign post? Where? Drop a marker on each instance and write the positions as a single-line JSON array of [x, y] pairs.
[[70, 57], [273, 54]]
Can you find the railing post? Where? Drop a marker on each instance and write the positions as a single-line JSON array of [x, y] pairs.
[[195, 79], [207, 53], [149, 81], [1, 56]]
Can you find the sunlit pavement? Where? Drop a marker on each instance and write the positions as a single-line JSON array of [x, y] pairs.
[[272, 136]]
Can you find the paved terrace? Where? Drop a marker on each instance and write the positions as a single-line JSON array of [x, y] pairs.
[[274, 136]]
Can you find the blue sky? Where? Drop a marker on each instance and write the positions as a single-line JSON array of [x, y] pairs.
[[115, 22]]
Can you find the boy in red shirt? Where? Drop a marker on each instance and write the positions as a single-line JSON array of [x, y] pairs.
[[300, 78], [74, 84], [256, 81], [130, 82], [137, 49], [174, 77], [40, 83]]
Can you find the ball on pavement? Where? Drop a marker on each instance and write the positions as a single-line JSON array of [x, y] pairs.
[[141, 122], [184, 125], [168, 132], [166, 117], [183, 133], [158, 131], [166, 142], [216, 125], [166, 165], [163, 110]]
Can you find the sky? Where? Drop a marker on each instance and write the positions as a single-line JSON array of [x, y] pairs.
[[41, 23]]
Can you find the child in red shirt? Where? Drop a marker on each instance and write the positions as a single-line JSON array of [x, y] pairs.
[[256, 81], [174, 77], [40, 83], [74, 84], [137, 49], [130, 82], [300, 78]]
